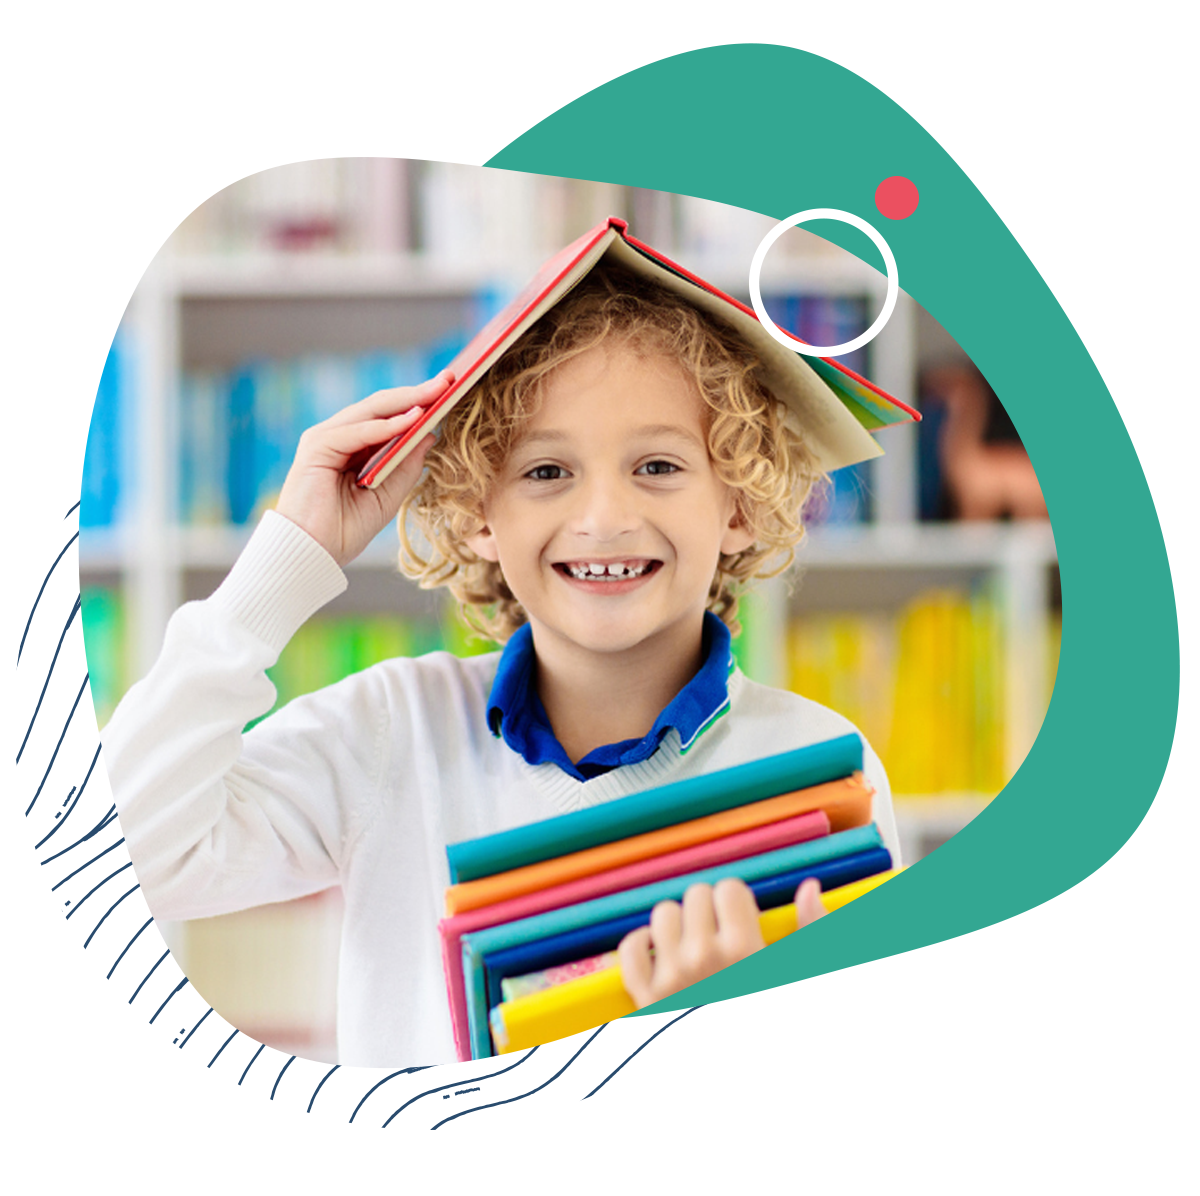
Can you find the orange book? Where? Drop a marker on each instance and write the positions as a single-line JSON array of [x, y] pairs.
[[846, 802]]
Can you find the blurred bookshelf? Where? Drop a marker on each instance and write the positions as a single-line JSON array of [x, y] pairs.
[[301, 289]]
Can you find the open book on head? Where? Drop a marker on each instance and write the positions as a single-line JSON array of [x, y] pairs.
[[837, 408]]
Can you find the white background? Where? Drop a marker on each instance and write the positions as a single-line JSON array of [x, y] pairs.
[[1055, 1052]]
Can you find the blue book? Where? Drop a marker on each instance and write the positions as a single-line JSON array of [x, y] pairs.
[[443, 352], [241, 479], [275, 429], [650, 811], [834, 320], [373, 371], [101, 486], [480, 943], [330, 382], [204, 448]]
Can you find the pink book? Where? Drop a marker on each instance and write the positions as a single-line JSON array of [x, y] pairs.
[[784, 833]]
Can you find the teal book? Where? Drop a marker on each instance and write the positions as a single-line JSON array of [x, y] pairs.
[[655, 808]]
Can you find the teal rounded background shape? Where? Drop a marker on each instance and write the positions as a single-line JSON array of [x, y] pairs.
[[708, 123]]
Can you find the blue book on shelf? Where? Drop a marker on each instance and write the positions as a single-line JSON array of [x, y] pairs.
[[100, 489], [410, 367], [849, 498], [275, 428], [372, 372], [490, 301], [241, 480], [443, 351], [204, 447], [930, 481], [190, 429], [782, 309], [834, 320], [328, 383]]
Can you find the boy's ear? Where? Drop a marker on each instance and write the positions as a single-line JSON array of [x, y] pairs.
[[739, 535], [483, 544]]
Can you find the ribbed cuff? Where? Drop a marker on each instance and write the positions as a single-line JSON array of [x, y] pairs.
[[280, 580]]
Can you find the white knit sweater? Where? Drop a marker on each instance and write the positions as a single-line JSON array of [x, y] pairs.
[[360, 785]]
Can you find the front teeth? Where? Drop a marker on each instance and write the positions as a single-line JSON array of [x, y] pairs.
[[618, 570]]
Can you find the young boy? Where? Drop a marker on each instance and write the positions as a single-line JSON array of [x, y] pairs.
[[596, 504]]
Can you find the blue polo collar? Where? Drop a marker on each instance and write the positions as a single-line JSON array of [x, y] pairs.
[[516, 713]]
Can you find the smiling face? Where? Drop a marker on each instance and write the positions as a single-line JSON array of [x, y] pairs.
[[608, 519]]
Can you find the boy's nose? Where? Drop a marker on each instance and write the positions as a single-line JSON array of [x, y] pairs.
[[606, 509]]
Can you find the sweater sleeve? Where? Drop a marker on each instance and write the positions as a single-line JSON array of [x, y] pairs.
[[217, 820]]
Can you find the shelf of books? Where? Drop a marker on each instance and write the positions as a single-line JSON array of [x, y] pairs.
[[302, 289]]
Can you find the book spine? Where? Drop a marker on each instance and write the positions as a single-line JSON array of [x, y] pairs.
[[813, 765], [102, 613], [101, 484], [240, 423]]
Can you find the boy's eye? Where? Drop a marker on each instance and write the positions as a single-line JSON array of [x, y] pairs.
[[657, 468], [546, 473]]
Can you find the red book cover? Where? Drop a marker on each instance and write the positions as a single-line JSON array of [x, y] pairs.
[[835, 405]]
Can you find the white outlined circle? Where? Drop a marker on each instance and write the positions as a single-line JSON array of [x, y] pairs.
[[889, 303]]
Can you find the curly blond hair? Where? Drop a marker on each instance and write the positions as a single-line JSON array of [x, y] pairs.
[[754, 442]]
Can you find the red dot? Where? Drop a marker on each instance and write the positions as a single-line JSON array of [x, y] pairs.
[[897, 197]]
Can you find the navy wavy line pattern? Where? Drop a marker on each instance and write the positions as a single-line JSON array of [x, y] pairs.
[[321, 1085], [641, 1048], [46, 683], [531, 1092], [69, 812], [455, 1083]]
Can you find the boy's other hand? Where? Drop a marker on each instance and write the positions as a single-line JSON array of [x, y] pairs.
[[321, 494], [715, 927]]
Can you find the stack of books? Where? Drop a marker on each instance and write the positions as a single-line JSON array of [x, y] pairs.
[[535, 914]]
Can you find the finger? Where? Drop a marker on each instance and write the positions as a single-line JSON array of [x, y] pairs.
[[334, 446], [666, 920], [809, 906], [699, 917], [737, 917], [393, 401], [637, 965], [402, 479]]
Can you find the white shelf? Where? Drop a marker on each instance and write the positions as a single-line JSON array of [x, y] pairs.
[[892, 546], [834, 275], [284, 276], [103, 550], [287, 276], [926, 545]]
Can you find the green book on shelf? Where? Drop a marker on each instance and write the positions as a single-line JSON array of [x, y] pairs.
[[102, 613]]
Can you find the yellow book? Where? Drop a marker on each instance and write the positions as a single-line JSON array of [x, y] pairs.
[[589, 1001]]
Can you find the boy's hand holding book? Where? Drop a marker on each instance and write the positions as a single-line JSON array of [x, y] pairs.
[[321, 495], [714, 927]]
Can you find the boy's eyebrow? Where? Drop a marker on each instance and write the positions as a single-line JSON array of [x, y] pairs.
[[647, 431], [674, 430]]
